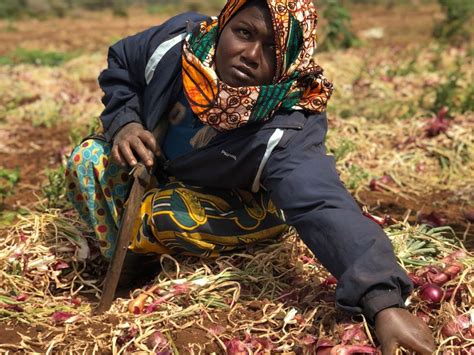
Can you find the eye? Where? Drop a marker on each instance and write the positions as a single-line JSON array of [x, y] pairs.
[[271, 46], [243, 33]]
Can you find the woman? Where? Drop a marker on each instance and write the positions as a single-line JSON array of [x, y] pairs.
[[245, 104]]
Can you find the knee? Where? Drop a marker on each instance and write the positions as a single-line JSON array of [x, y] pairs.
[[88, 159]]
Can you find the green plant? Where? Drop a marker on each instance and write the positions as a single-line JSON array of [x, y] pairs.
[[457, 22], [40, 57], [11, 8], [357, 175], [55, 190], [338, 33], [404, 68], [343, 149], [445, 93], [468, 102], [9, 26], [77, 134], [8, 180], [163, 8], [119, 8]]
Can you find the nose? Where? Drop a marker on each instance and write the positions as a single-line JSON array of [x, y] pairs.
[[252, 54]]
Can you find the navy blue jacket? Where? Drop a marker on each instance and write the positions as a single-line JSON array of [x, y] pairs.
[[285, 155]]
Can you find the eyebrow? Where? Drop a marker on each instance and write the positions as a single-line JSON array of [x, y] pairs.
[[255, 28]]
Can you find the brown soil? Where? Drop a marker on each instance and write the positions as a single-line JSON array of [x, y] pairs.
[[32, 150], [414, 209], [82, 31], [95, 31]]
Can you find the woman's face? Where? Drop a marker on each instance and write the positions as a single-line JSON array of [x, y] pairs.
[[245, 54]]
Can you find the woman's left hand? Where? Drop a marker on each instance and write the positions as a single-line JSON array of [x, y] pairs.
[[398, 327]]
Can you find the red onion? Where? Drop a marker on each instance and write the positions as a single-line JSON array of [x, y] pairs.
[[307, 260], [180, 289], [449, 292], [263, 344], [434, 275], [469, 215], [420, 167], [60, 316], [152, 307], [22, 297], [236, 347], [440, 279], [423, 316], [381, 221], [353, 349], [433, 219], [456, 327], [128, 335], [60, 265], [438, 124], [417, 280], [299, 319], [137, 304], [308, 340], [453, 269], [11, 307], [384, 179], [324, 346], [23, 237], [157, 341], [330, 280], [458, 254], [354, 332], [373, 185], [76, 301], [217, 329], [431, 293]]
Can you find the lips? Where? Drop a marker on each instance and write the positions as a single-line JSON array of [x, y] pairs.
[[243, 74], [244, 70]]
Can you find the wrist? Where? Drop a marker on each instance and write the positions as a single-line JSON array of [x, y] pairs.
[[126, 127], [379, 299], [386, 313]]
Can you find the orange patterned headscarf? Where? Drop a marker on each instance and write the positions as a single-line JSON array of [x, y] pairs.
[[299, 82]]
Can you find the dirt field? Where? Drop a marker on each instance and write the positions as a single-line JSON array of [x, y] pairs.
[[389, 91]]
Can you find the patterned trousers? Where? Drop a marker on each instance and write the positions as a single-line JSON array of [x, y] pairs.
[[174, 218]]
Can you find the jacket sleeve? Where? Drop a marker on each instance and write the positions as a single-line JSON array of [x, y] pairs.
[[123, 81], [303, 182]]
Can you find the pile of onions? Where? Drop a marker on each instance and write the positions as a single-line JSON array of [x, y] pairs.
[[460, 325]]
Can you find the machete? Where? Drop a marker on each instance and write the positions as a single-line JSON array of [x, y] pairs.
[[141, 180]]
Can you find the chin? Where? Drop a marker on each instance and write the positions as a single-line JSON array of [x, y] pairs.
[[231, 82]]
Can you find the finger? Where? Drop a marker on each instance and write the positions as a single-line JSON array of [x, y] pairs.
[[116, 156], [148, 139], [127, 154], [143, 152], [421, 341], [423, 344]]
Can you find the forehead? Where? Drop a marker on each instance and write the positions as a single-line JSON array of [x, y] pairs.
[[256, 16]]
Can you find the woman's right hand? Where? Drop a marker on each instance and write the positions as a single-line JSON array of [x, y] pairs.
[[133, 143]]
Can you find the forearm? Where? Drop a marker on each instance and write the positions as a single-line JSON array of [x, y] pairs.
[[304, 183]]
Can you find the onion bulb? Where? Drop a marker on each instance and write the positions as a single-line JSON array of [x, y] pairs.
[[431, 293]]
